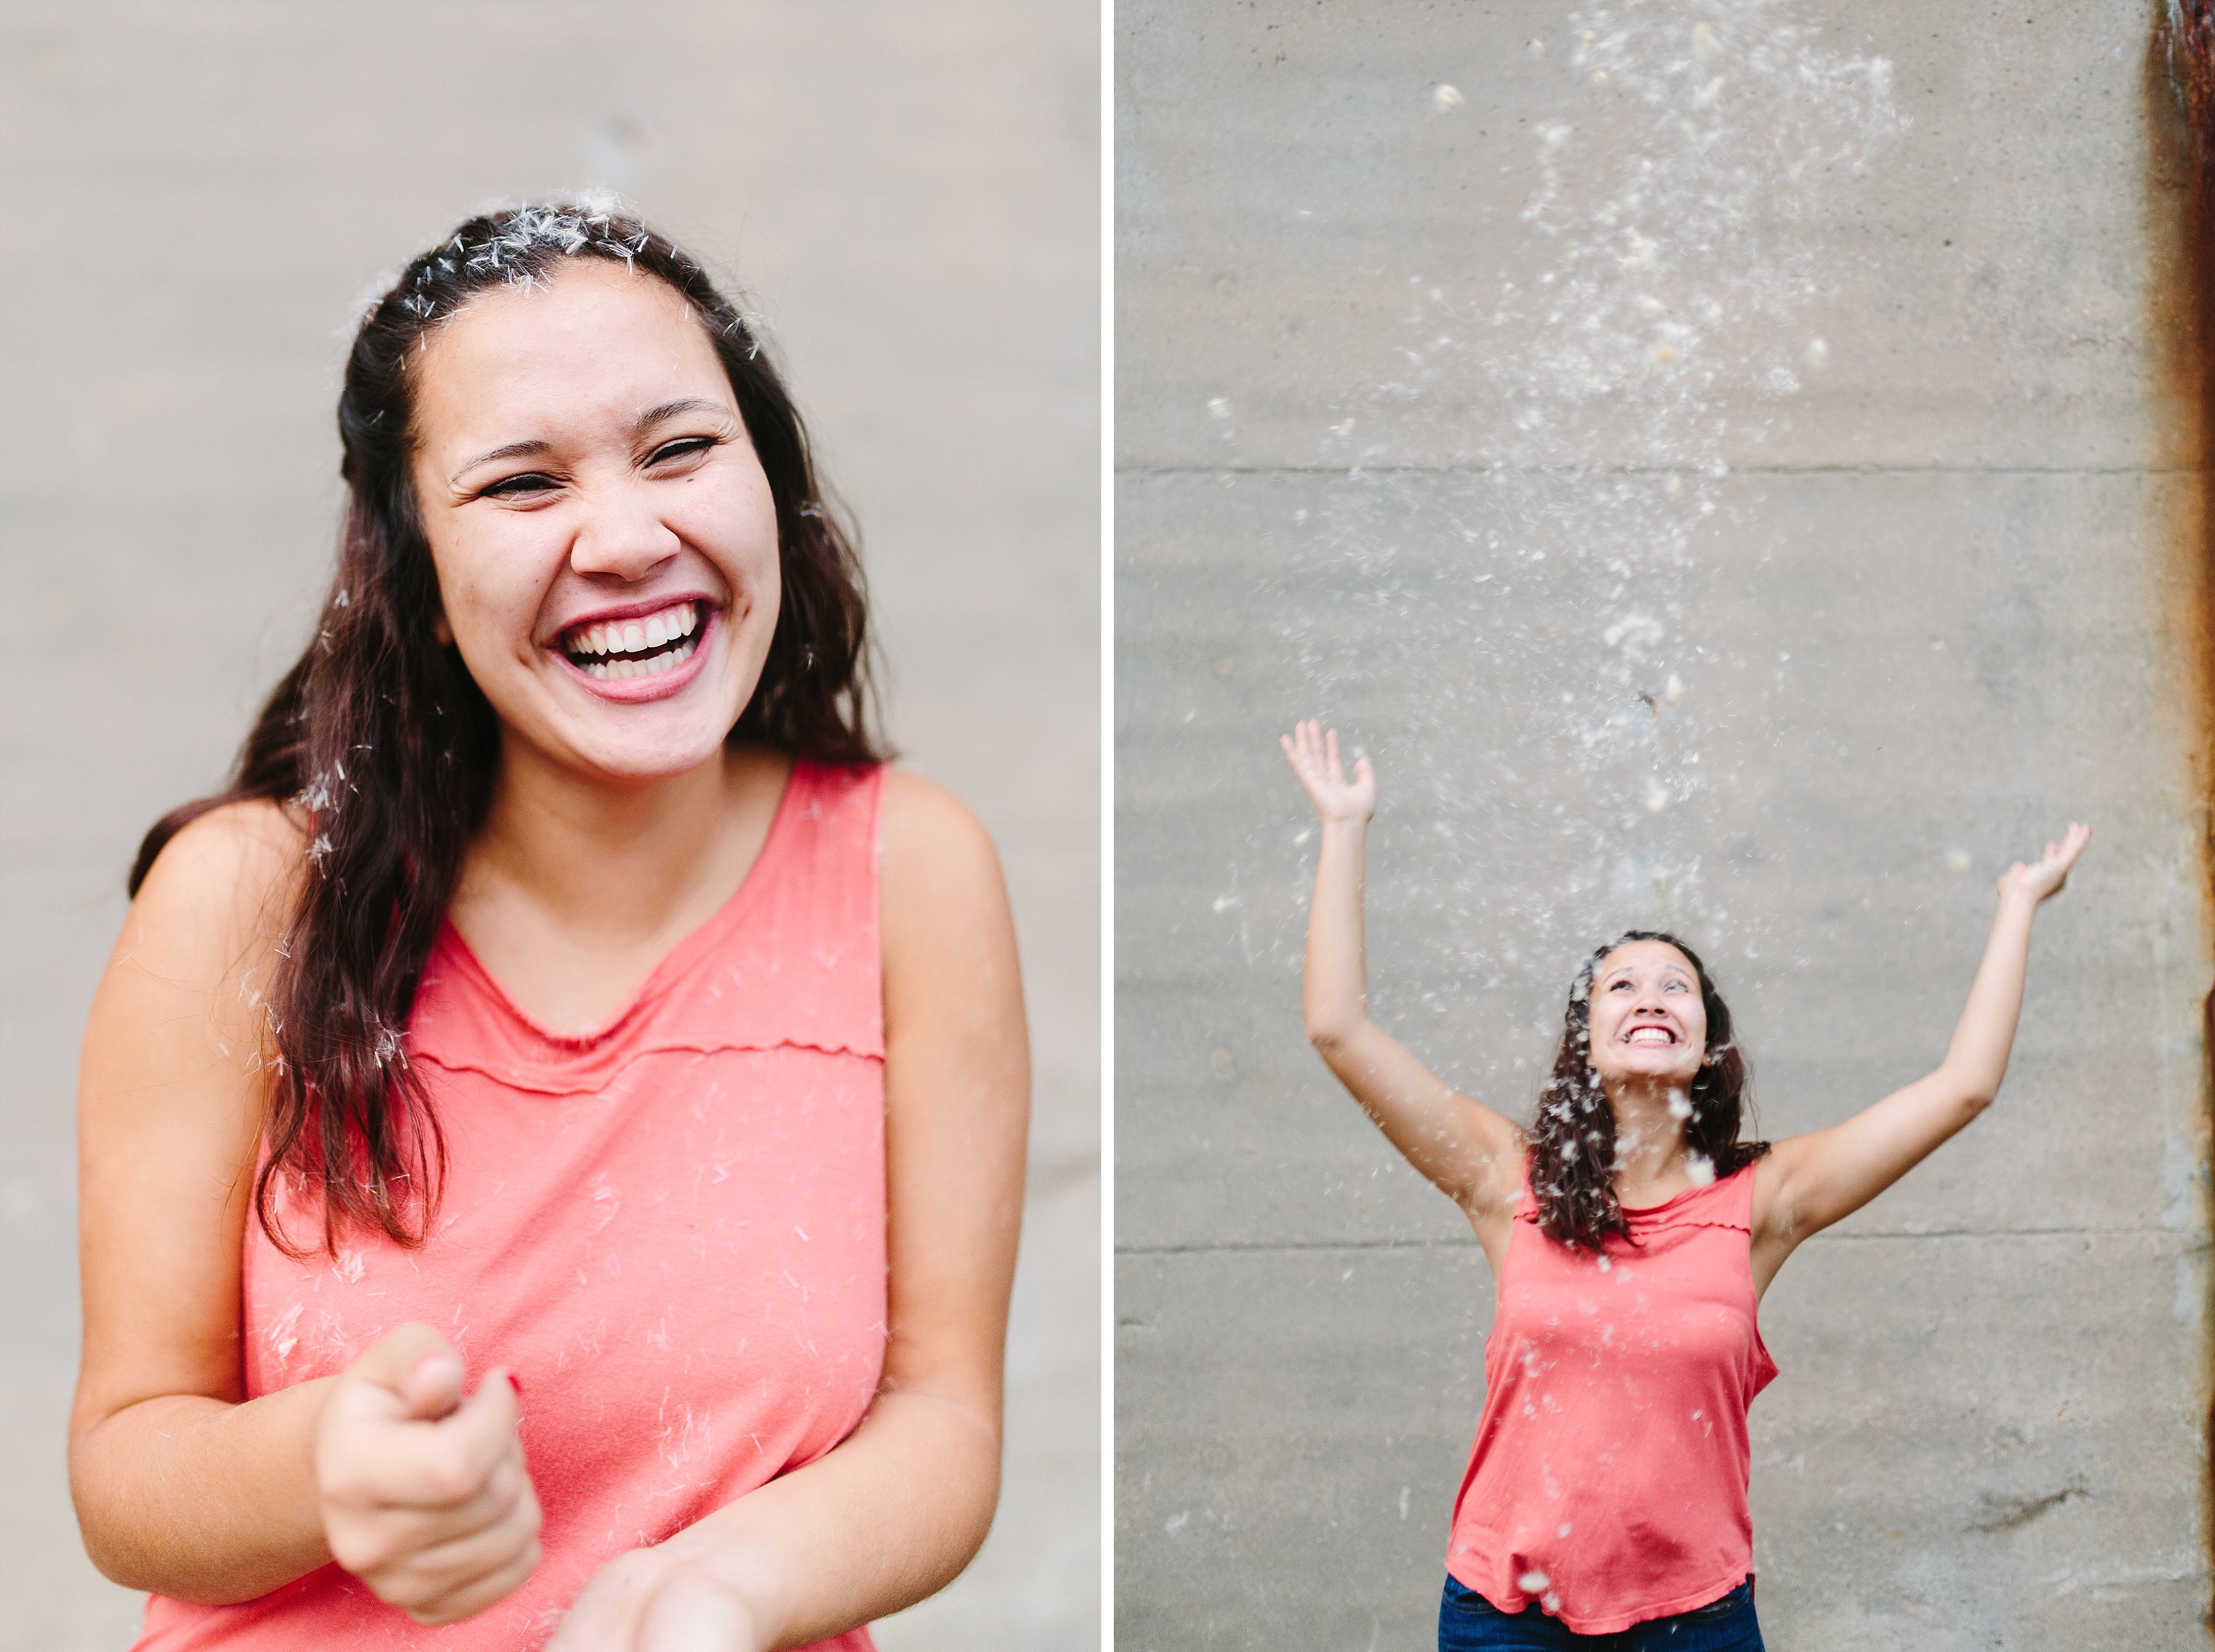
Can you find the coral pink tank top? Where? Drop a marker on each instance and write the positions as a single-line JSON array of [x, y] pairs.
[[672, 1229], [1609, 1479]]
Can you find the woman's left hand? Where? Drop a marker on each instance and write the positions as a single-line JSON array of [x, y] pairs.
[[647, 1601], [2045, 875]]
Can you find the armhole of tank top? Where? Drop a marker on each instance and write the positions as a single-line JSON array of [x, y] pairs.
[[875, 782]]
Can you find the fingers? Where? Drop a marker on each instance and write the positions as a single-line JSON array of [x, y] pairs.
[[606, 1613], [468, 1597], [450, 1580], [441, 1464], [425, 1496], [394, 1359], [2049, 874], [433, 1387], [693, 1613], [383, 1534]]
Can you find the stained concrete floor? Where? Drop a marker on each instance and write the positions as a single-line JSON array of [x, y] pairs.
[[197, 195]]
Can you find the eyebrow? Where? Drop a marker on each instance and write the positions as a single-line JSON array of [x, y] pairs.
[[645, 421]]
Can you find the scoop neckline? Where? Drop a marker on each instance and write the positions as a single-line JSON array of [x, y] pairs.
[[671, 962], [1675, 1198]]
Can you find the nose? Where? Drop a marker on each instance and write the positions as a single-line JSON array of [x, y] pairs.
[[621, 536]]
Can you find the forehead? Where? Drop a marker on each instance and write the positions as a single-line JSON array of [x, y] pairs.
[[1645, 958], [593, 327]]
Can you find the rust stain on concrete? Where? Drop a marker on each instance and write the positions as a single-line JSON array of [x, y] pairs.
[[2179, 196]]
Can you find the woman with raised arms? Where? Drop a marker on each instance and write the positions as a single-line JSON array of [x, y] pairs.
[[552, 1133], [1631, 1235]]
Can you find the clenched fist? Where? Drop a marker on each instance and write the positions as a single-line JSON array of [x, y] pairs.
[[424, 1492]]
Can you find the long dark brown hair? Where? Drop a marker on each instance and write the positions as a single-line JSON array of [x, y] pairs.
[[383, 750], [1573, 1139]]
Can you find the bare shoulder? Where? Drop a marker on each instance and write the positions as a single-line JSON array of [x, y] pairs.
[[948, 936], [239, 857], [1774, 1175], [216, 897], [935, 849]]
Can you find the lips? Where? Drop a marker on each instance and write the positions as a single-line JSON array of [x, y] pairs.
[[1650, 1034]]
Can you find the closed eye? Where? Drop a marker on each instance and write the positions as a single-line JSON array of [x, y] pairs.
[[684, 447], [531, 482]]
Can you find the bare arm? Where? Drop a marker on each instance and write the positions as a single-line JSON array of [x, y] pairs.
[[179, 1486], [1468, 1151], [895, 1511], [1809, 1182], [183, 1486]]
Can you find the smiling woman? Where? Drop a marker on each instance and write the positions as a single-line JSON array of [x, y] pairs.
[[1631, 1235], [566, 1000]]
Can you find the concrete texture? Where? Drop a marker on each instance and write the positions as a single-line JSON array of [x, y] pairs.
[[197, 194], [1770, 542]]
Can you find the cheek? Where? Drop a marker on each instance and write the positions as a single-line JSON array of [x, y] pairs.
[[488, 597], [732, 519], [1695, 1030], [478, 609]]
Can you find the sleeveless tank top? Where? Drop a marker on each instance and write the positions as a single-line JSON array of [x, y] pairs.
[[672, 1229], [1609, 1478]]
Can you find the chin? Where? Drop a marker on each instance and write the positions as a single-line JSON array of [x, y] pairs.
[[639, 761], [638, 744], [1675, 1070]]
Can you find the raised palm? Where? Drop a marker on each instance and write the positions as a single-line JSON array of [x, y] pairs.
[[1312, 750], [2045, 875]]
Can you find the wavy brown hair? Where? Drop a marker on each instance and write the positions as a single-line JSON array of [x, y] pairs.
[[381, 748], [1573, 1138]]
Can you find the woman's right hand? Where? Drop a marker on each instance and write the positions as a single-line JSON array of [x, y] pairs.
[[424, 1492], [1313, 754]]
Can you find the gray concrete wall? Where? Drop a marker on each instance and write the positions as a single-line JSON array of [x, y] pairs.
[[195, 195], [1726, 484]]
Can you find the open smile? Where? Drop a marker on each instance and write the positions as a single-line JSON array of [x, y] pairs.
[[629, 659], [611, 650], [1649, 1034]]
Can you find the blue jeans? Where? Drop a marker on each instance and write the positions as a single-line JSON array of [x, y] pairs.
[[1469, 1623]]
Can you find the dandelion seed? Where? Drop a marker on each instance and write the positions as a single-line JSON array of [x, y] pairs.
[[1445, 97]]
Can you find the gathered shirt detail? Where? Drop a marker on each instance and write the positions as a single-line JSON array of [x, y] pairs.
[[671, 1229], [1608, 1481]]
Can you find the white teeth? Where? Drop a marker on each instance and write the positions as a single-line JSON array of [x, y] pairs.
[[619, 671], [621, 637]]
